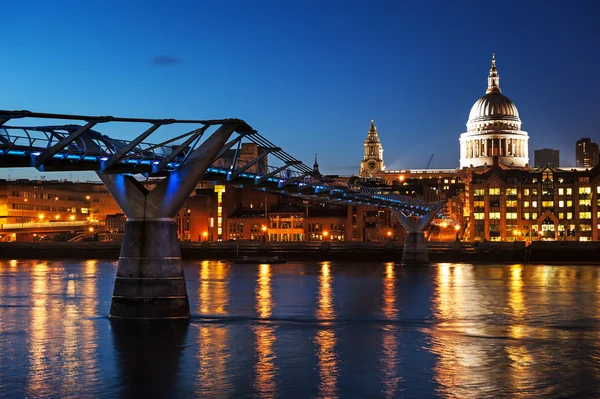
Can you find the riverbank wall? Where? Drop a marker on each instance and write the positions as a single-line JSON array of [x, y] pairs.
[[517, 252]]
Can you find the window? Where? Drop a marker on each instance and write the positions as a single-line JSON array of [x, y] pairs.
[[534, 215], [479, 192], [479, 204], [511, 191], [494, 191], [569, 191], [585, 190], [511, 203], [561, 215], [585, 215], [585, 227], [569, 203], [525, 204], [561, 204], [547, 204], [479, 216], [511, 215], [494, 215], [534, 204], [526, 216], [561, 191], [585, 202], [569, 215], [526, 191], [534, 191]]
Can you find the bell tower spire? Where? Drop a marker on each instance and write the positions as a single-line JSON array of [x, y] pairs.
[[493, 78], [372, 162]]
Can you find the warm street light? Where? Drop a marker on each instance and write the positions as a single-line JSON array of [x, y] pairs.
[[444, 224], [72, 217], [457, 227], [325, 234], [205, 234], [516, 232], [41, 216], [91, 229], [263, 228], [389, 233], [57, 217]]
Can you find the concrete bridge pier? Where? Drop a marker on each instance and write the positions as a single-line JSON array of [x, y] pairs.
[[415, 247], [150, 283]]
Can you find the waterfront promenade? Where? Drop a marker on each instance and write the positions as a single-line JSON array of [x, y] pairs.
[[538, 251]]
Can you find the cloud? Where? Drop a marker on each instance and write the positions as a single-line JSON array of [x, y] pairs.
[[164, 60]]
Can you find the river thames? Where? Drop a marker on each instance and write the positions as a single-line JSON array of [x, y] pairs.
[[307, 330]]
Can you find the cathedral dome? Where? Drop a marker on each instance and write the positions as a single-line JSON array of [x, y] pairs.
[[494, 110], [493, 106]]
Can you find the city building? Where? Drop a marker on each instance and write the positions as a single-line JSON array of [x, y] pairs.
[[508, 204], [372, 163], [586, 153], [494, 130], [546, 157]]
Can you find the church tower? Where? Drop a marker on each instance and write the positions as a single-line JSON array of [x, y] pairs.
[[373, 159]]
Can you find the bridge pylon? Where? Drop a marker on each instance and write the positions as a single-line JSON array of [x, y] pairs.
[[415, 247], [150, 283]]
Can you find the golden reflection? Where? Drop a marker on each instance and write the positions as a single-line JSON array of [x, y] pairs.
[[389, 345], [264, 369], [325, 339], [38, 331], [515, 293], [213, 352], [214, 288], [459, 305]]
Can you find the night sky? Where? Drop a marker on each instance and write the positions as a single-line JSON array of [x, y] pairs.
[[310, 75]]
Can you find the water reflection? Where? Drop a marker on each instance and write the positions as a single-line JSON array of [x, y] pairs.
[[213, 340], [38, 328], [265, 371], [325, 339], [389, 343]]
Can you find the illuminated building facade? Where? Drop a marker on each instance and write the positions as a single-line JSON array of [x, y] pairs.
[[508, 204], [494, 130], [586, 153]]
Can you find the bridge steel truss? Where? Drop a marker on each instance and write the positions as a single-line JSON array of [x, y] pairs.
[[150, 283]]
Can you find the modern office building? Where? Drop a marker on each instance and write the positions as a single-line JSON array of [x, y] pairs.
[[586, 153], [546, 157]]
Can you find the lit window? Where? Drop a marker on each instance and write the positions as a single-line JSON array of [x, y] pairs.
[[534, 204], [585, 202], [511, 215], [561, 215], [526, 191], [479, 216], [479, 192], [534, 215], [585, 190], [511, 203], [598, 189], [569, 215], [494, 191], [561, 191], [526, 216], [569, 203], [525, 204], [547, 204], [585, 227], [511, 191], [569, 191], [585, 215], [534, 191], [494, 215]]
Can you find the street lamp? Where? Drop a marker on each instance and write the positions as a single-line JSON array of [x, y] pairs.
[[205, 235], [457, 227], [389, 234], [264, 230], [41, 216], [325, 234], [91, 229], [444, 224], [72, 217]]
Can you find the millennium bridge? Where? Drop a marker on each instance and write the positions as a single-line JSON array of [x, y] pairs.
[[177, 154]]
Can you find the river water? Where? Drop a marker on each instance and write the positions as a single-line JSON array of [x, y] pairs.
[[307, 330]]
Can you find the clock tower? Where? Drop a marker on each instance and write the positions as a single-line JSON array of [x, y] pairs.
[[372, 162]]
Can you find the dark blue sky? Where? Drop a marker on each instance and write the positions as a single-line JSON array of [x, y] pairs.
[[310, 75]]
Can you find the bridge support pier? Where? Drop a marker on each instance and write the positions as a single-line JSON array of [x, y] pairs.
[[415, 247], [150, 283]]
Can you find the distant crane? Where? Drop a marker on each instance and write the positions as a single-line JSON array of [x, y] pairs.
[[429, 162]]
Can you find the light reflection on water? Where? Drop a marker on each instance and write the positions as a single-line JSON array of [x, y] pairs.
[[307, 330]]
